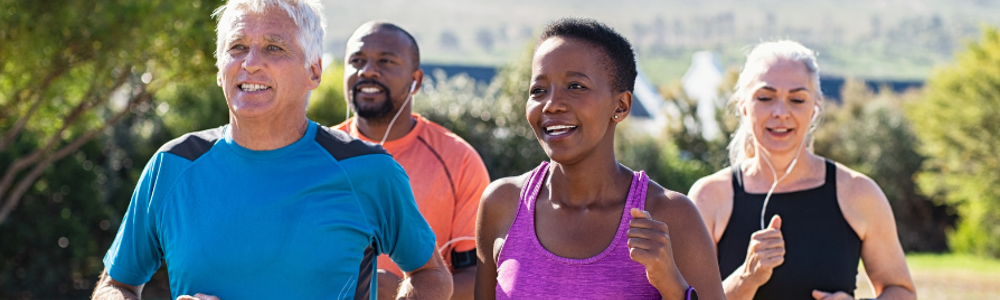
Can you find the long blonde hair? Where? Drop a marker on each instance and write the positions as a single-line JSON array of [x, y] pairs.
[[741, 146]]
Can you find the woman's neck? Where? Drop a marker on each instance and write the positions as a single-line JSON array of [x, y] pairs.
[[806, 166], [588, 183]]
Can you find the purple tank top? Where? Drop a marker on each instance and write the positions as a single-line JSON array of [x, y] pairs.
[[526, 270]]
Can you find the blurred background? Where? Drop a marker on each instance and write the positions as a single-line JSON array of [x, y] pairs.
[[90, 89]]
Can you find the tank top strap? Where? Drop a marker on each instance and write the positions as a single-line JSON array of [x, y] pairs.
[[637, 192], [530, 190], [737, 179], [831, 176]]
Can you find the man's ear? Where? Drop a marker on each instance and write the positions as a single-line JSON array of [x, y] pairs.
[[316, 73], [418, 79], [623, 106]]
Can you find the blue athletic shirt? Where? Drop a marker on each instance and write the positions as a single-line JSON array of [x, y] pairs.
[[304, 221]]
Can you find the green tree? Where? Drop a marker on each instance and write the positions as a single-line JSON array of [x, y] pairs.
[[868, 132], [327, 105], [956, 123], [88, 91], [72, 70]]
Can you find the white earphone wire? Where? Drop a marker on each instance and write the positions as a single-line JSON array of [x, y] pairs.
[[408, 97], [788, 170]]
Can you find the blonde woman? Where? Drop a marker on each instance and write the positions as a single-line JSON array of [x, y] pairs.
[[787, 223]]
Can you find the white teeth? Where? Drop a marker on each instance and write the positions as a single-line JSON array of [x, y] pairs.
[[370, 90], [558, 129], [253, 87], [780, 130]]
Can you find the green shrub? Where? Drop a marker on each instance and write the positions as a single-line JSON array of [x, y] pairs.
[[868, 132], [956, 122]]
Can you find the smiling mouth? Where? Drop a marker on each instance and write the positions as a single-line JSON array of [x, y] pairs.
[[559, 130], [249, 87], [370, 90], [779, 130]]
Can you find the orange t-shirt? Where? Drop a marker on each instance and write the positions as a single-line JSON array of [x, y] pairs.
[[447, 177]]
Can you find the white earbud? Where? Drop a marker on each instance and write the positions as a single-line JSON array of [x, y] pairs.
[[413, 87], [815, 114]]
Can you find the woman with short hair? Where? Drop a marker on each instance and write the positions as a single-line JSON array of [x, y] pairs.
[[582, 225]]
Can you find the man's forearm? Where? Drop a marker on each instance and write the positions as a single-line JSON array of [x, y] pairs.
[[109, 289], [432, 283], [465, 283]]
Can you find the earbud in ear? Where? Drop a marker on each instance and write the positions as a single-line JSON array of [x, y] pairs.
[[815, 113], [413, 87]]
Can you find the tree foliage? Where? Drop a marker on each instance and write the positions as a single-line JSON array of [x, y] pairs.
[[956, 123], [69, 71], [87, 92], [868, 132], [327, 105]]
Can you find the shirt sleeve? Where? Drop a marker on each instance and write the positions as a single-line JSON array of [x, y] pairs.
[[472, 179], [402, 231], [135, 253]]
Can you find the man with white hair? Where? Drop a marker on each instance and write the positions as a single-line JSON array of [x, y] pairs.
[[271, 205]]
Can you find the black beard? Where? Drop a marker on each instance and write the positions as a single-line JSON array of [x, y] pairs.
[[374, 113]]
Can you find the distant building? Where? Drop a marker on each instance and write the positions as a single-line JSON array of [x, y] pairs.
[[831, 86], [701, 82]]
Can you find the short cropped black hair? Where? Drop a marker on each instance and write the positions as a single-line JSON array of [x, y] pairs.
[[393, 27], [620, 61]]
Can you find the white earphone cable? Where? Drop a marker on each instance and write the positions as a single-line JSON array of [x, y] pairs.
[[386, 135], [788, 170]]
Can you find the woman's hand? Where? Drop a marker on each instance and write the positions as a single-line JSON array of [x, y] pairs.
[[649, 245], [766, 251]]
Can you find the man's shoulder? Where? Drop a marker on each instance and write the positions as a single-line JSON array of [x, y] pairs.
[[343, 146], [193, 145]]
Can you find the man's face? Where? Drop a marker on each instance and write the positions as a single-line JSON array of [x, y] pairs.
[[379, 72], [263, 71]]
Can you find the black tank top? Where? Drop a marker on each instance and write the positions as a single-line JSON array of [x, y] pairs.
[[821, 248]]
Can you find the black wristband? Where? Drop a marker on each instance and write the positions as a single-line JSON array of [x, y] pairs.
[[460, 260]]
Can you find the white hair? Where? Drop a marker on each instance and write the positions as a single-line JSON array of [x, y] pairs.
[[741, 146], [307, 15]]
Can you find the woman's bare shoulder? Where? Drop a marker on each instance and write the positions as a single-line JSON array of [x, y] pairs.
[[499, 205], [861, 201], [713, 191], [669, 206]]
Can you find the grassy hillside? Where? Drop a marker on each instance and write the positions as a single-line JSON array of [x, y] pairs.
[[861, 38]]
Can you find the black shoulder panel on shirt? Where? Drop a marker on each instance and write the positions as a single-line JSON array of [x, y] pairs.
[[342, 146], [192, 145]]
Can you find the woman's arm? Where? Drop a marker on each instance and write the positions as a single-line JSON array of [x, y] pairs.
[[496, 214], [868, 212], [713, 196], [691, 246]]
